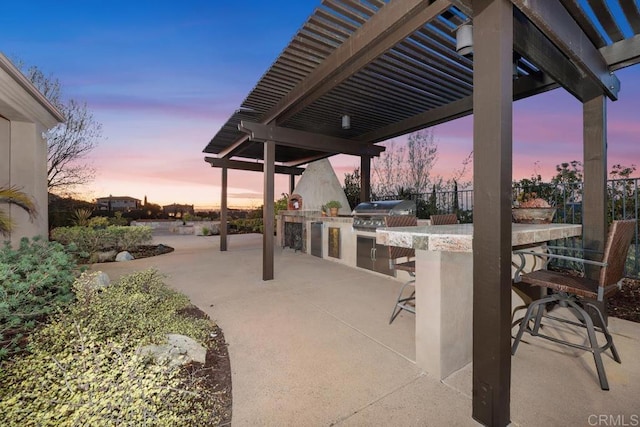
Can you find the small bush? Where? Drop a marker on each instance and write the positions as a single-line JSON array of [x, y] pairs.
[[81, 217], [35, 280], [118, 219], [88, 241], [252, 225], [98, 222]]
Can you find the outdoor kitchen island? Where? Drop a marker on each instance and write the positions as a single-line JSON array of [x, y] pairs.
[[444, 286]]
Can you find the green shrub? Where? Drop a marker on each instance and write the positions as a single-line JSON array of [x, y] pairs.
[[81, 217], [84, 368], [35, 280], [139, 308], [118, 220], [252, 225], [88, 241], [98, 222]]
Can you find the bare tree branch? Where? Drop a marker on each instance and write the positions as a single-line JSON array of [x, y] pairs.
[[69, 143]]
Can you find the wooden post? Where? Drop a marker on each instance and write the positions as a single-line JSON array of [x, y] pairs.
[[223, 212], [492, 164], [365, 178], [292, 184], [594, 198], [268, 213]]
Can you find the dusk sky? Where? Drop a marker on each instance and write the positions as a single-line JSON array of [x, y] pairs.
[[163, 76]]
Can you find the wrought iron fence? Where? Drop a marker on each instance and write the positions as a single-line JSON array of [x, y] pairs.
[[623, 202]]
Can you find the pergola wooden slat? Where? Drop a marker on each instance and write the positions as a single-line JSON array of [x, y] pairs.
[[392, 66]]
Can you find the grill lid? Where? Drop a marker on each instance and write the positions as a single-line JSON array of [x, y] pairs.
[[385, 208]]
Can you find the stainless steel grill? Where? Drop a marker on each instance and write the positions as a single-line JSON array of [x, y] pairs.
[[369, 216]]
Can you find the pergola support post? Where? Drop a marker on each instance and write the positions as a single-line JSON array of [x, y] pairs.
[[268, 214], [223, 211], [594, 198], [292, 184], [492, 150], [365, 178]]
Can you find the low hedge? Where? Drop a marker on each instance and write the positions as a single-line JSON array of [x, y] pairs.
[[88, 241]]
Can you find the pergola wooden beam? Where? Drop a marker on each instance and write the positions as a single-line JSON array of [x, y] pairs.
[[306, 160], [522, 88], [391, 24], [307, 140], [216, 162], [623, 53], [561, 29], [531, 43]]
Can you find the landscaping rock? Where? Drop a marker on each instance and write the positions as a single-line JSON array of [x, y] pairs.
[[106, 256], [124, 256], [94, 280], [194, 350], [179, 350]]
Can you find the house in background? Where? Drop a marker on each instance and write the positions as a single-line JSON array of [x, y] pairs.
[[175, 210], [117, 203], [25, 114]]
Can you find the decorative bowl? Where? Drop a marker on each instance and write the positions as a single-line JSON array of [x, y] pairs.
[[533, 215]]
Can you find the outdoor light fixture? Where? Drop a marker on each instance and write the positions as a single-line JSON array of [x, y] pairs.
[[464, 40], [346, 122]]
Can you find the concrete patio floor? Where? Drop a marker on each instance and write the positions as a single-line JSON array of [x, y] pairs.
[[314, 347]]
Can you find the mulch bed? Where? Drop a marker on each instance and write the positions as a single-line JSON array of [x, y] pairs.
[[626, 303], [215, 374], [145, 251]]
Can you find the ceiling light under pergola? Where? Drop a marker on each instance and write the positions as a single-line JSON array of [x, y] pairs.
[[346, 121], [464, 40]]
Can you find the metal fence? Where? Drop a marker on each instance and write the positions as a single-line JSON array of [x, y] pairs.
[[623, 202]]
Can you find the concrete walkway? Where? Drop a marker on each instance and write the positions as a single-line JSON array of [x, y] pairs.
[[313, 347]]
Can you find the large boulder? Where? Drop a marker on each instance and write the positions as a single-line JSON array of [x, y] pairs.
[[179, 350], [124, 256], [93, 280]]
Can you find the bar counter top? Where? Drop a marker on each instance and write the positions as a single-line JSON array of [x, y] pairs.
[[459, 237]]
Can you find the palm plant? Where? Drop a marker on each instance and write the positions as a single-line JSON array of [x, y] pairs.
[[14, 196]]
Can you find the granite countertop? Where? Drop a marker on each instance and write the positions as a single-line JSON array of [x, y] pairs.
[[308, 215], [459, 237]]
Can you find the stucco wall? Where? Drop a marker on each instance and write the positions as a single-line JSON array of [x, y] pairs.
[[24, 115]]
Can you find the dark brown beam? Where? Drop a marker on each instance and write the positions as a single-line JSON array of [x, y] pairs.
[[594, 202], [223, 212], [522, 88], [391, 24], [292, 183], [557, 24], [492, 173], [464, 6], [308, 140], [216, 162], [623, 53], [306, 160], [532, 44], [268, 212]]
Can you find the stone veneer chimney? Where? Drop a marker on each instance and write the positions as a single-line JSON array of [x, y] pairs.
[[318, 185]]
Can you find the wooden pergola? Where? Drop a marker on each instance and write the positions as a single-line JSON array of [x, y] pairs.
[[392, 66]]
